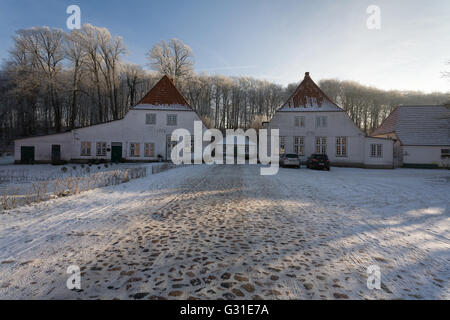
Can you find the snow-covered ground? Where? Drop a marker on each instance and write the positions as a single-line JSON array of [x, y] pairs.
[[22, 175], [23, 184], [221, 231], [6, 160]]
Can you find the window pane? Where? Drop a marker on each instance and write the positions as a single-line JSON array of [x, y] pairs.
[[101, 148], [150, 118], [171, 119]]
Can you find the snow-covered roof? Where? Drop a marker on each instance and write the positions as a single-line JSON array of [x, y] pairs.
[[418, 125], [309, 97]]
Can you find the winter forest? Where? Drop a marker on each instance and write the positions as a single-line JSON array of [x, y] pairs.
[[53, 81]]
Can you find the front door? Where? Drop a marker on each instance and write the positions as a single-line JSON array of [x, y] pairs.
[[27, 154], [116, 151], [56, 152]]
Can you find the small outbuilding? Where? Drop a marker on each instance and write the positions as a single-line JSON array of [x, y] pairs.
[[421, 135]]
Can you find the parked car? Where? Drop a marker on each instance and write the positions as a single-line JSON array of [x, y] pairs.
[[318, 161], [290, 159]]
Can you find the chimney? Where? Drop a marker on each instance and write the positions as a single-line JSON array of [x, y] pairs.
[[306, 74]]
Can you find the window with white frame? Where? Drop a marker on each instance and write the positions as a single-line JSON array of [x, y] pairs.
[[300, 121], [282, 144], [134, 149], [321, 145], [321, 121], [150, 118], [171, 119], [299, 145], [85, 148], [149, 150], [341, 146], [376, 150], [101, 149]]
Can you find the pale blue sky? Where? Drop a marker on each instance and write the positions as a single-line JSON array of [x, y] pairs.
[[268, 39]]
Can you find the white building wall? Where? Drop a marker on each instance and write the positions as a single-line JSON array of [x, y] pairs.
[[417, 155], [132, 129], [387, 159], [43, 146]]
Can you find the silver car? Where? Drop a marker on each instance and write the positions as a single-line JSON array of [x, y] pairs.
[[289, 160]]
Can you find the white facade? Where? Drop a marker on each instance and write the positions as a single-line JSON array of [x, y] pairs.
[[345, 144], [131, 133], [309, 122]]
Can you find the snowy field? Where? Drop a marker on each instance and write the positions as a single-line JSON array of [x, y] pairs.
[[21, 176], [210, 232], [6, 160]]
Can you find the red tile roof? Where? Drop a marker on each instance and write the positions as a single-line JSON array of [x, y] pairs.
[[309, 95], [164, 93]]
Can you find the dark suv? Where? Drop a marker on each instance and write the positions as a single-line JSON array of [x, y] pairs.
[[318, 161]]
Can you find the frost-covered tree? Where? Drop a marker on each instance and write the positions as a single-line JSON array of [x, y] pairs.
[[77, 57], [45, 48], [174, 59]]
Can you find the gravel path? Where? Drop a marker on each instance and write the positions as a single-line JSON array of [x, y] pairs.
[[225, 232]]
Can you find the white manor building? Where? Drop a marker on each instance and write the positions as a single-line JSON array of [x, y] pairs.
[[309, 122], [142, 135]]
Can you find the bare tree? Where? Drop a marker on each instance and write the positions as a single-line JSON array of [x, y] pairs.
[[45, 47], [133, 75], [77, 57], [110, 50], [174, 59]]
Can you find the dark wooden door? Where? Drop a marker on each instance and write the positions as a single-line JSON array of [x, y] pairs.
[[27, 154], [56, 152], [116, 153]]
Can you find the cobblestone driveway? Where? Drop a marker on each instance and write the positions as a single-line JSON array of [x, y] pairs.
[[229, 233]]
